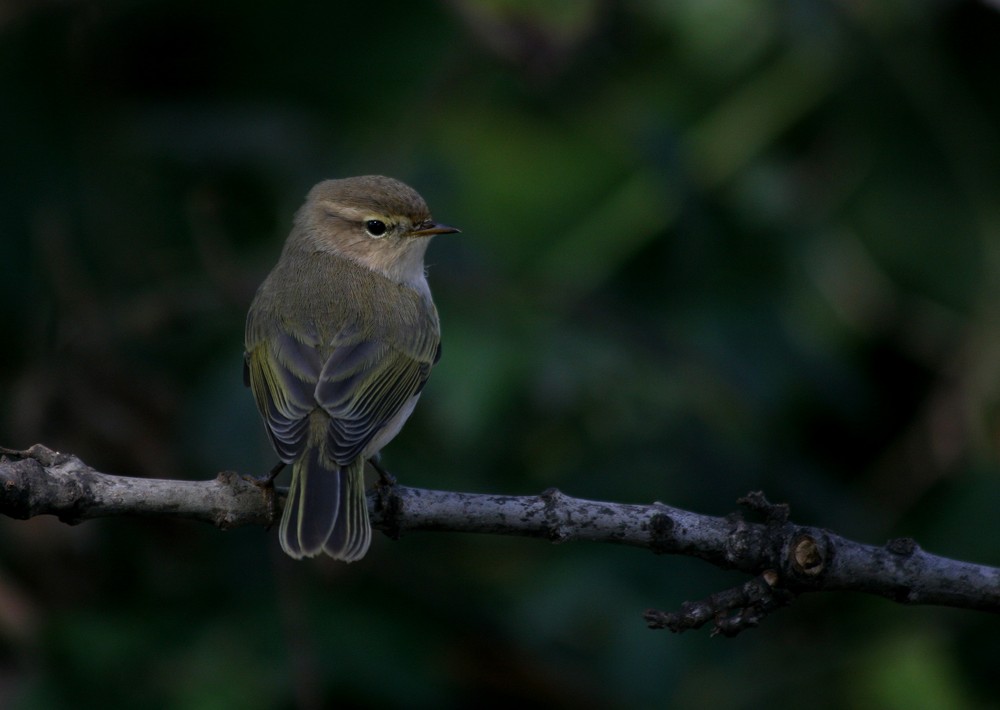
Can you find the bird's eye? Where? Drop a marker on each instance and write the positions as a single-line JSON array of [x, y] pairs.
[[375, 227]]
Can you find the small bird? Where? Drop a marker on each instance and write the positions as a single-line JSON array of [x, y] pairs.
[[340, 339]]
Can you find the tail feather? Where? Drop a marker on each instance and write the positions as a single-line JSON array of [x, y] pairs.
[[352, 532], [325, 510]]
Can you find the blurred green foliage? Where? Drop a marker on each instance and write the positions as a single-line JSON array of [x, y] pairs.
[[709, 246]]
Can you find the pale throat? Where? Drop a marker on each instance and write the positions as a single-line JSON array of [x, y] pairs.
[[403, 264]]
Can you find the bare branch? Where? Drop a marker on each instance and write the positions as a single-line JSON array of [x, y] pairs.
[[40, 481], [785, 559]]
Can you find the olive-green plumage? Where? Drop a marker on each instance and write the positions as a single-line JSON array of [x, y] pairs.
[[340, 339]]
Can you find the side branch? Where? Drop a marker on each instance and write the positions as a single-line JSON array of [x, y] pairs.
[[785, 559]]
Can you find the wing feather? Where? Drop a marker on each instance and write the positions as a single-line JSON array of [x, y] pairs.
[[360, 370], [362, 399], [282, 373]]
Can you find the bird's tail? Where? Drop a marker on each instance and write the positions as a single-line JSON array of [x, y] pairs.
[[326, 509]]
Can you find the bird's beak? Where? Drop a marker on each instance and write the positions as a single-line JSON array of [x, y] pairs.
[[429, 229]]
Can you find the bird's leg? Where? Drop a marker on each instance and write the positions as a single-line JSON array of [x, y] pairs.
[[266, 485], [268, 480], [385, 479]]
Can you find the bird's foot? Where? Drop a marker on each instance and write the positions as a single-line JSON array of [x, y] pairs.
[[266, 485], [266, 481], [385, 479]]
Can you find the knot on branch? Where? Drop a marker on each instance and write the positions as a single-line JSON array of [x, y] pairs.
[[39, 480], [902, 546], [798, 553], [762, 542], [808, 555], [558, 528], [662, 538]]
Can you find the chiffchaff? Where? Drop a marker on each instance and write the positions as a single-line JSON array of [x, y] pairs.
[[340, 339]]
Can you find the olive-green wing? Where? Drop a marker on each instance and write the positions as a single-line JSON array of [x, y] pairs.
[[282, 372], [362, 386]]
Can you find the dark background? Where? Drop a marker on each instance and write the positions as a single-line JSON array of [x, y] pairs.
[[708, 247]]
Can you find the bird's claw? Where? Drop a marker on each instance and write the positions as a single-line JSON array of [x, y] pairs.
[[266, 485]]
